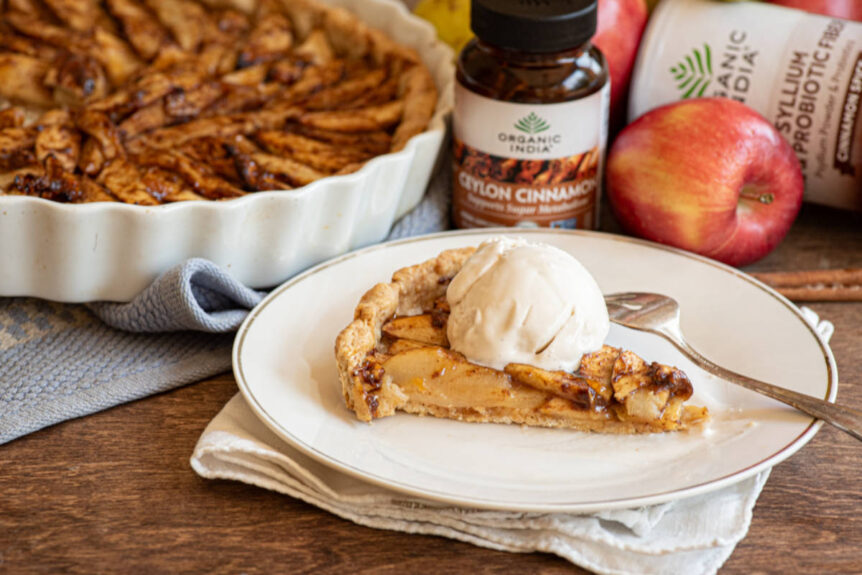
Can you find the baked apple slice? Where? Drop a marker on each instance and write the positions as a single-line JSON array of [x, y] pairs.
[[424, 328]]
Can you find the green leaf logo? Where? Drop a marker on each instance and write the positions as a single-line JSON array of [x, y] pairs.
[[532, 124], [694, 73]]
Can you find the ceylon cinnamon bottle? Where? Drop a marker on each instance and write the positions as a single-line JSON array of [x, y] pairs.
[[531, 113]]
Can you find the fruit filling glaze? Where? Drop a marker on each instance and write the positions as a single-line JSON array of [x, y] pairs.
[[155, 101]]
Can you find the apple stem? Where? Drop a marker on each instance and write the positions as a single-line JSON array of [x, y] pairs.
[[766, 198]]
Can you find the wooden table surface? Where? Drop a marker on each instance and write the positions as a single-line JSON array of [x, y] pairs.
[[113, 492]]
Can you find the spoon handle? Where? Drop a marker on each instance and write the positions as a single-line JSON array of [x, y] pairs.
[[845, 419]]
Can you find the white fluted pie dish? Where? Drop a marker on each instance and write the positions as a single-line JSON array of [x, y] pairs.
[[111, 251]]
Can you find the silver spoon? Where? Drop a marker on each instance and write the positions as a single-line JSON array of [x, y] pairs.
[[659, 314]]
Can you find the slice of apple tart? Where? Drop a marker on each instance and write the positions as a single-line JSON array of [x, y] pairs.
[[396, 355]]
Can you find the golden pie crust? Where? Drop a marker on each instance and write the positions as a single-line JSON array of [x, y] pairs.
[[155, 101], [394, 356]]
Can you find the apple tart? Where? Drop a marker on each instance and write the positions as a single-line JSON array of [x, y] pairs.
[[395, 355], [155, 101]]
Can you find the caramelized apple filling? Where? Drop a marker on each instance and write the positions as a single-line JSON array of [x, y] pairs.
[[156, 101], [413, 358]]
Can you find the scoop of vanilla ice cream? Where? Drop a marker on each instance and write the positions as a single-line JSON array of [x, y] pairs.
[[520, 302]]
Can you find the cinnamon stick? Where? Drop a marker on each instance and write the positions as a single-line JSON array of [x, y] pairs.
[[816, 285]]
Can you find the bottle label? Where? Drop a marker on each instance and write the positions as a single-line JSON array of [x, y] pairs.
[[802, 71], [528, 165]]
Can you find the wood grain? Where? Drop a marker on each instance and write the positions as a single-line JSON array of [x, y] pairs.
[[114, 492]]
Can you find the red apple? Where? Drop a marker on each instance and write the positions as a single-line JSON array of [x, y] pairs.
[[708, 175], [620, 27], [847, 9]]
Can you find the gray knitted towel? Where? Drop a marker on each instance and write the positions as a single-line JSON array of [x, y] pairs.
[[60, 361]]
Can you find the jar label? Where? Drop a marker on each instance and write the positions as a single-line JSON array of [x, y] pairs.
[[536, 165]]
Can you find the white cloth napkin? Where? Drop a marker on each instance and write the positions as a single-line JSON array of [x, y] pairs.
[[693, 536]]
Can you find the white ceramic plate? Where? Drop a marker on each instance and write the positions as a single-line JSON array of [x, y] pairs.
[[284, 363]]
